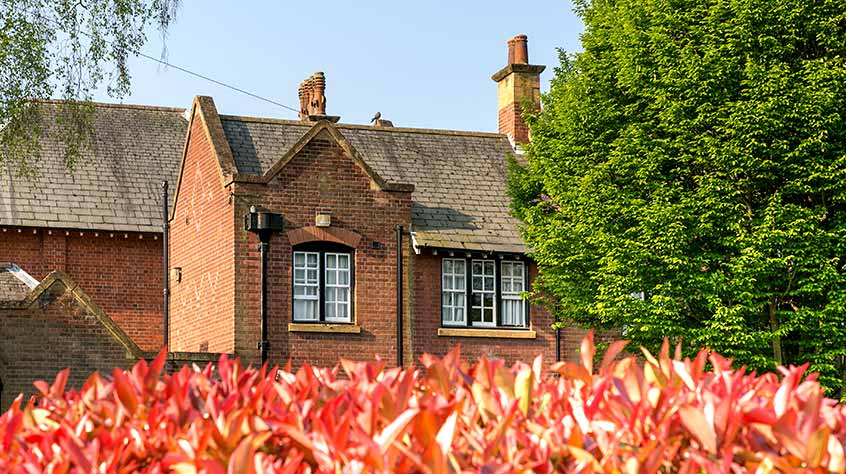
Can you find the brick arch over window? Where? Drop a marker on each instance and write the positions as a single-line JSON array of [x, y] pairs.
[[323, 234]]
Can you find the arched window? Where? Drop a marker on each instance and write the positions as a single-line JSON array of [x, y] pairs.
[[323, 283]]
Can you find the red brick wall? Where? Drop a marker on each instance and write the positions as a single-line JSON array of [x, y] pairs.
[[55, 334], [322, 177], [122, 272], [201, 244]]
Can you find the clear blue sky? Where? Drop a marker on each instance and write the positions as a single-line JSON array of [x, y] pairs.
[[422, 64]]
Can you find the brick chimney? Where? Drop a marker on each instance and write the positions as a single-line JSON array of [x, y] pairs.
[[518, 85]]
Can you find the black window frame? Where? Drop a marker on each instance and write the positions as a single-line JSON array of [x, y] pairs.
[[322, 248], [468, 290]]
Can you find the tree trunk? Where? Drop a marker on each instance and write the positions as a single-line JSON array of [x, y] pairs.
[[776, 338]]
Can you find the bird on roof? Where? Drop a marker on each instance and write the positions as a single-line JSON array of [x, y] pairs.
[[376, 117]]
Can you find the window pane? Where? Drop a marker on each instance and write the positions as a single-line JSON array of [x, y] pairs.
[[506, 286], [305, 310], [344, 278], [312, 259], [513, 312], [299, 259], [330, 277], [477, 268], [517, 285], [343, 294], [299, 275], [453, 287], [344, 261], [489, 284], [330, 310], [476, 299], [489, 268], [475, 315], [330, 261], [477, 283]]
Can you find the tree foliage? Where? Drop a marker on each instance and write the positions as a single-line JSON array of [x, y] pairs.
[[66, 49], [687, 178]]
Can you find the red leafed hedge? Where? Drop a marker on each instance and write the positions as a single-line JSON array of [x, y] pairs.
[[631, 415]]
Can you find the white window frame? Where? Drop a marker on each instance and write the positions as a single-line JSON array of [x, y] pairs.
[[347, 318], [453, 277], [506, 291], [483, 292], [305, 283], [514, 295]]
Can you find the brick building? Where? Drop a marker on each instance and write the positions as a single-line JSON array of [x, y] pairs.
[[365, 211]]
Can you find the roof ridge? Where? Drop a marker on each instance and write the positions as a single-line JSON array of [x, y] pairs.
[[118, 106], [245, 118], [431, 131]]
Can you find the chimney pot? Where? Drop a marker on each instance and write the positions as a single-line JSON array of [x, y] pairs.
[[312, 95], [521, 49], [510, 51]]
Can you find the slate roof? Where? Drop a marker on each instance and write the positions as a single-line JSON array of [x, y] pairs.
[[117, 183], [459, 178]]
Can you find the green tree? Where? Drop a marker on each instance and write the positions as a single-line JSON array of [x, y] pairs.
[[66, 49], [687, 178]]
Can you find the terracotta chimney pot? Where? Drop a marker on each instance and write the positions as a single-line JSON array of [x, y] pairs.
[[521, 50]]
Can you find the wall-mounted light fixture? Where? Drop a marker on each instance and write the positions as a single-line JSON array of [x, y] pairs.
[[323, 219]]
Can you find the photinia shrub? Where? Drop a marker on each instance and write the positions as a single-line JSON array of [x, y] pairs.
[[630, 415]]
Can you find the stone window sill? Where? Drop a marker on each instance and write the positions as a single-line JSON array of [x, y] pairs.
[[497, 333], [323, 327]]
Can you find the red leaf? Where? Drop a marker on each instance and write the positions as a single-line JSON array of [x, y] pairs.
[[695, 422], [124, 390], [587, 351], [242, 459]]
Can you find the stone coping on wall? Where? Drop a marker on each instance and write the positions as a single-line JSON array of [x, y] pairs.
[[198, 357], [493, 333]]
